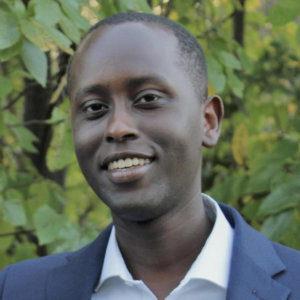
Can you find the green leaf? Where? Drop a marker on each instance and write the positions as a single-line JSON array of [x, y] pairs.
[[144, 6], [39, 195], [9, 34], [36, 34], [48, 224], [3, 178], [107, 9], [245, 60], [57, 115], [24, 251], [6, 241], [229, 60], [122, 5], [60, 153], [69, 29], [6, 86], [261, 180], [35, 61], [283, 197], [131, 4], [291, 236], [10, 52], [284, 11], [47, 12], [278, 154], [72, 10], [215, 74], [13, 212], [18, 8], [236, 84], [2, 125], [59, 38], [250, 210], [26, 138], [275, 226], [298, 35]]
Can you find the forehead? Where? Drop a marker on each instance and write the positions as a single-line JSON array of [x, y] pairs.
[[134, 48]]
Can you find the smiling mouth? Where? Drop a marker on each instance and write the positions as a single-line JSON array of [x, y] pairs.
[[128, 163]]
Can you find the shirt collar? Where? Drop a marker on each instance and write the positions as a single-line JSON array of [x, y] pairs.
[[212, 264]]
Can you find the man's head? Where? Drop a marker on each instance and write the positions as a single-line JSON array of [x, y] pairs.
[[138, 121], [190, 54]]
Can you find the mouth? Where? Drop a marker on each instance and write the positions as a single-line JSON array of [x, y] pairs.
[[128, 162], [118, 161], [127, 167]]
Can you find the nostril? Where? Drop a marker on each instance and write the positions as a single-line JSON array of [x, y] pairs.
[[129, 136], [110, 139]]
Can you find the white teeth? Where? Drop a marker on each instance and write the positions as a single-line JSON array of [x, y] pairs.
[[127, 163]]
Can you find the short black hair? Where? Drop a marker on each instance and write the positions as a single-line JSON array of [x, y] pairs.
[[191, 55]]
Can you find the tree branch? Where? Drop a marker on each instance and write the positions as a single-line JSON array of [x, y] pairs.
[[16, 232], [212, 29], [168, 8], [32, 122], [18, 97], [238, 23]]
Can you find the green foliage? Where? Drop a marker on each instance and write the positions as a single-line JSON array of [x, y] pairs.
[[284, 11], [45, 204], [9, 33], [35, 61]]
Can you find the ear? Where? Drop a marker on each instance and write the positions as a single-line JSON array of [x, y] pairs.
[[213, 111]]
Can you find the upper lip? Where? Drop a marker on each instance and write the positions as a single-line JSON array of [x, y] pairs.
[[121, 155]]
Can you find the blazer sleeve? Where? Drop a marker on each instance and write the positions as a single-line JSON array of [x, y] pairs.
[[3, 277]]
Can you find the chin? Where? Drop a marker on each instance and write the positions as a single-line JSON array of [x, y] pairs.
[[136, 212]]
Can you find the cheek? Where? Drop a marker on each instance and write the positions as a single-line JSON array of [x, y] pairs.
[[87, 138]]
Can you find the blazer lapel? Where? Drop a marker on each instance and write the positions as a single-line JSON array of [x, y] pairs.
[[79, 275], [254, 264]]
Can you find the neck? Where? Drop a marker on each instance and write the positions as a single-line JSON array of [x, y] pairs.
[[161, 251]]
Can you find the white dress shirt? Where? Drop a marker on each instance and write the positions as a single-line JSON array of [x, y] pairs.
[[207, 278]]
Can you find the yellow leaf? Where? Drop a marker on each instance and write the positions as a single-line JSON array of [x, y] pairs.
[[36, 33], [252, 5], [240, 144], [211, 89], [173, 16], [292, 109]]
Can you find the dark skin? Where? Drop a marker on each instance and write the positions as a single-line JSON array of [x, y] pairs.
[[132, 99]]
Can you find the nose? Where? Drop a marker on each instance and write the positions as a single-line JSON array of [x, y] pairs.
[[121, 127]]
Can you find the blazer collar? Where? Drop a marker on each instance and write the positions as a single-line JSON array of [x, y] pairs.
[[77, 277], [254, 263]]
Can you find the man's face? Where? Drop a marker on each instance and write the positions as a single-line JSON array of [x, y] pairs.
[[137, 121]]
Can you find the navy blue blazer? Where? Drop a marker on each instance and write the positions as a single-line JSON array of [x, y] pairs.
[[260, 270]]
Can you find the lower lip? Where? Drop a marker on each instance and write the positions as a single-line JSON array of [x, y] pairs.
[[128, 175]]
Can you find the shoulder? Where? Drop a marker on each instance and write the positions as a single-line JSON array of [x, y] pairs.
[[28, 279], [30, 266], [29, 273], [290, 276], [290, 257]]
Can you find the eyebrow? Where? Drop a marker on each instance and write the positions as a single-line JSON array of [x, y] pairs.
[[91, 89], [131, 83], [138, 81]]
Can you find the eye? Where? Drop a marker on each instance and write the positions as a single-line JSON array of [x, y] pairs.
[[147, 98], [95, 109]]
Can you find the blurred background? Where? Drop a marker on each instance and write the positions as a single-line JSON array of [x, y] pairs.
[[252, 49]]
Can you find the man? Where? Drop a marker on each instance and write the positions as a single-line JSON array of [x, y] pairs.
[[140, 116]]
